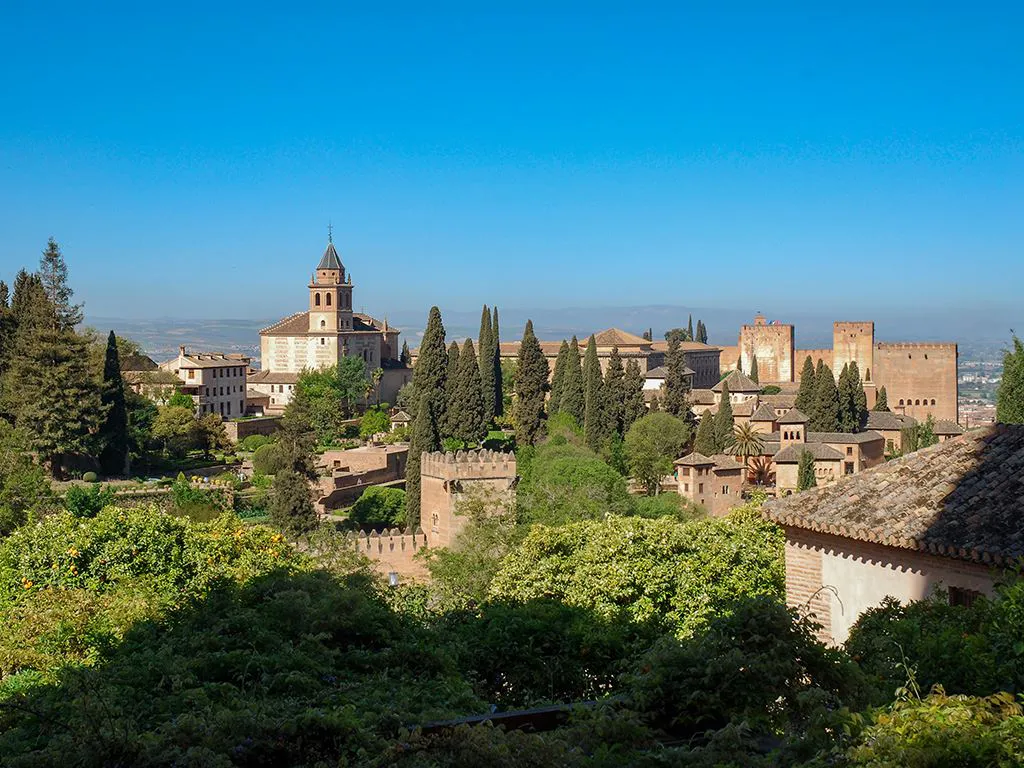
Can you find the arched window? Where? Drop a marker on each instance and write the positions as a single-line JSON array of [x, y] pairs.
[[328, 297], [901, 401], [316, 300], [933, 401], [323, 323], [917, 402]]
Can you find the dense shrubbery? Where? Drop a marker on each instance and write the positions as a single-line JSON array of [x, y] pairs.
[[252, 443], [268, 459], [87, 502], [379, 507]]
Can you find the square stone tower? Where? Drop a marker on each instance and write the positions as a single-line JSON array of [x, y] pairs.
[[446, 478]]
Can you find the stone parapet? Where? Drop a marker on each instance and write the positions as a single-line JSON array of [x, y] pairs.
[[468, 465]]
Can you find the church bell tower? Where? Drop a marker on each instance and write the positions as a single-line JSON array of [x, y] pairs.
[[330, 294]]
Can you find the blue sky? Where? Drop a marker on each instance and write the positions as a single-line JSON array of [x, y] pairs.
[[189, 156]]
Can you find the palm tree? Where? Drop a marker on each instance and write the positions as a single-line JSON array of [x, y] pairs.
[[747, 442], [761, 471]]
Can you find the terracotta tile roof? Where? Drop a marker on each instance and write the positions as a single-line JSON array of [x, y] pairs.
[[770, 447], [857, 438], [273, 377], [205, 360], [738, 382], [781, 400], [764, 412], [401, 416], [727, 462], [686, 346], [661, 372], [694, 460], [943, 427], [293, 325], [702, 396], [616, 337], [138, 363], [888, 420], [793, 416], [150, 377], [821, 452], [746, 408], [963, 498]]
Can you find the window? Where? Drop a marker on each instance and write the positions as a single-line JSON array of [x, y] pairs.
[[323, 323], [725, 490], [686, 487], [191, 373], [848, 468], [229, 409], [849, 450], [328, 299], [323, 341], [316, 300], [964, 597], [933, 401], [901, 401], [206, 391], [700, 488], [686, 471]]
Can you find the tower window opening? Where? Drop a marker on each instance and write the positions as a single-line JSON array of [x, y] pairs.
[[328, 298], [316, 300]]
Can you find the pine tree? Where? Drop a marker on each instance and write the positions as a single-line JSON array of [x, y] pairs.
[[881, 400], [615, 395], [706, 441], [114, 433], [406, 357], [826, 404], [1010, 395], [689, 329], [495, 351], [424, 439], [558, 379], [447, 424], [860, 397], [805, 471], [805, 396], [53, 274], [468, 420], [572, 385], [531, 384], [633, 388], [723, 421], [430, 373], [676, 387], [753, 370], [7, 325], [486, 363], [593, 397]]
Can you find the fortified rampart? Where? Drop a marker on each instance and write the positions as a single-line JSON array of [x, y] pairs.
[[772, 345], [919, 379], [825, 355], [394, 552], [853, 342]]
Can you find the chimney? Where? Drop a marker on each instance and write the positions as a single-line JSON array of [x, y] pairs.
[[181, 350]]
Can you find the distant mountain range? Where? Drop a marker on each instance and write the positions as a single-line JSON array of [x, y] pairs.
[[160, 337]]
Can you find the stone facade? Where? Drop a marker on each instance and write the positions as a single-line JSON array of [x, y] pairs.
[[215, 381], [714, 482], [772, 345]]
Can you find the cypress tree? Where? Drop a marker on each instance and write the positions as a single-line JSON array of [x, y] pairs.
[[689, 329], [615, 395], [1010, 395], [572, 385], [649, 334], [655, 405], [448, 424], [593, 397], [882, 400], [558, 379], [753, 370], [676, 389], [847, 401], [469, 420], [291, 507], [805, 471], [723, 421], [826, 403], [633, 388], [406, 357], [495, 351], [424, 439], [486, 365], [702, 332], [805, 396], [114, 433], [860, 397], [706, 441], [430, 373], [531, 384]]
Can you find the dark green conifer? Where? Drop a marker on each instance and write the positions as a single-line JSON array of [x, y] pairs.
[[655, 406], [649, 334], [724, 421], [468, 421], [806, 395], [881, 400], [406, 357], [706, 441], [114, 433], [558, 379], [291, 507], [860, 397], [531, 383], [593, 398], [495, 352], [447, 425], [1010, 395], [424, 439], [53, 274], [826, 403], [572, 385], [702, 332], [615, 395], [633, 388], [486, 363], [6, 330], [847, 401], [689, 329], [430, 373], [753, 370], [805, 471], [677, 389]]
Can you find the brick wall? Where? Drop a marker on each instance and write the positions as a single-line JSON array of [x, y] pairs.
[[917, 374]]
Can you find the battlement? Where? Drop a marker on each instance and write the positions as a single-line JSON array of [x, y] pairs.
[[393, 551], [468, 465], [949, 346]]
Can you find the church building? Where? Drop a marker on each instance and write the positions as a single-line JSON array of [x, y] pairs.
[[323, 334]]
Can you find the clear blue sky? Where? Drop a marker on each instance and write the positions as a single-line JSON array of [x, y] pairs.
[[189, 156]]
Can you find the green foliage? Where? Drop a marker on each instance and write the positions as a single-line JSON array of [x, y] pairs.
[[425, 439], [670, 505], [530, 385], [431, 371], [324, 398], [670, 575], [177, 429], [881, 400], [824, 416], [291, 507], [633, 395], [90, 477], [25, 491], [724, 421], [114, 432], [853, 405], [572, 385], [1010, 395], [652, 444], [706, 441], [926, 433], [488, 372], [771, 389], [615, 396], [564, 489], [268, 459], [676, 400], [594, 398], [374, 422], [753, 370], [379, 507], [805, 472], [502, 387], [466, 414], [87, 502], [181, 400], [558, 379], [807, 394], [253, 443]]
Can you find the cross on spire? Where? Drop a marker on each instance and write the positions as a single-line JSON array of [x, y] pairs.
[[330, 232]]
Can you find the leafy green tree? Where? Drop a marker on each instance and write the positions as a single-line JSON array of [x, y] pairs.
[[486, 364], [926, 433], [558, 379], [212, 436], [805, 471], [379, 507], [424, 439], [268, 459], [615, 395], [88, 502], [675, 334], [291, 507], [531, 384], [114, 433], [677, 391], [633, 395], [807, 394], [753, 370], [572, 401], [706, 441], [724, 420], [373, 422], [142, 412], [451, 385], [469, 420], [825, 415], [325, 397], [177, 429], [652, 444], [882, 400], [593, 398], [1010, 395], [181, 400], [500, 390], [430, 373], [566, 488], [25, 491], [655, 406]]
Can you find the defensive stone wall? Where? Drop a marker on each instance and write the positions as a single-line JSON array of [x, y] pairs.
[[919, 378], [816, 354], [772, 344], [468, 465], [394, 552], [853, 342]]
